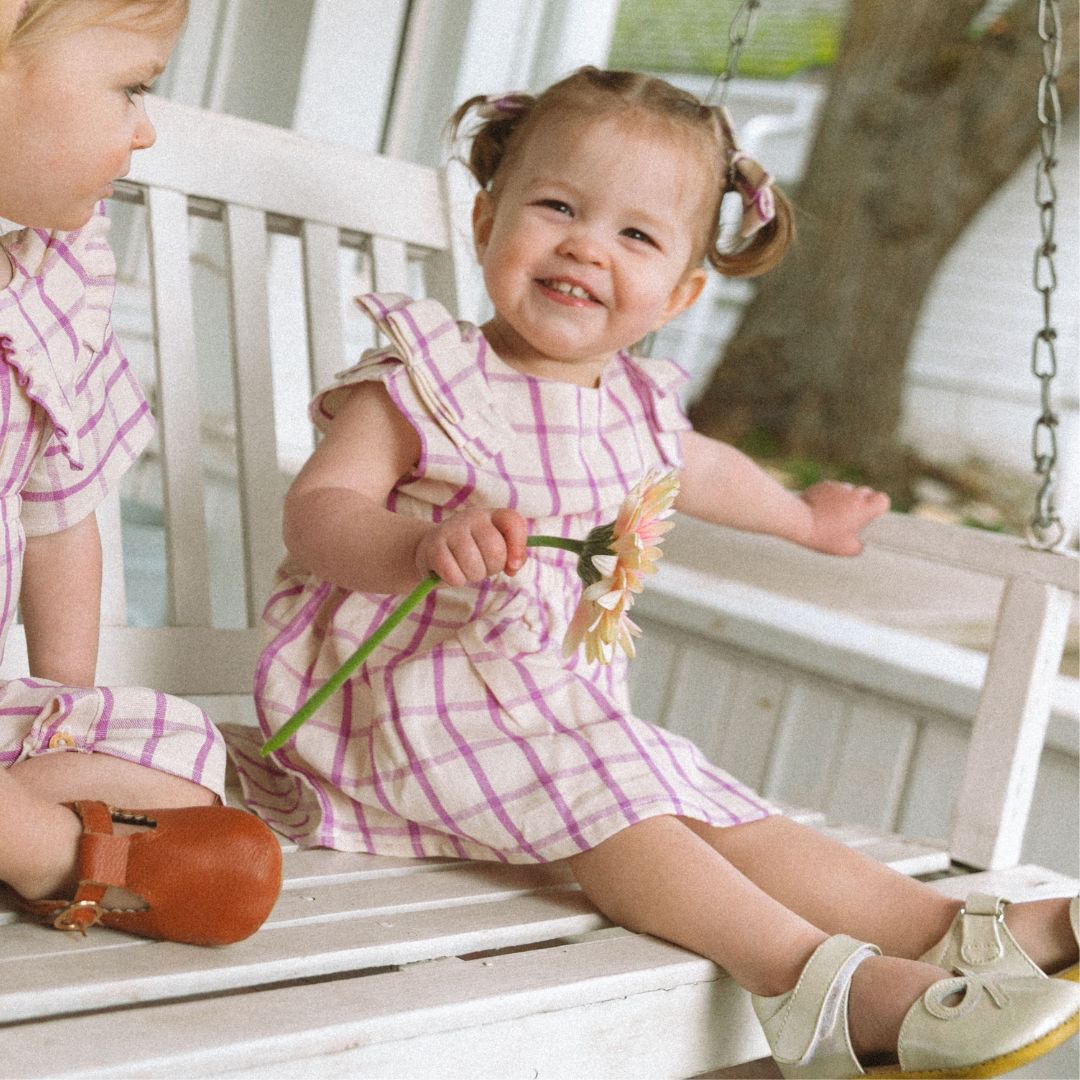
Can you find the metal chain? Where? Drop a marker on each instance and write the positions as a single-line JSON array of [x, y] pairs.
[[739, 33], [1046, 529]]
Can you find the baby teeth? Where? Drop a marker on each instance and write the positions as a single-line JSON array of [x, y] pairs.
[[567, 289]]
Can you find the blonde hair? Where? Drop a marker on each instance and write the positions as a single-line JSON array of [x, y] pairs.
[[497, 140], [36, 22]]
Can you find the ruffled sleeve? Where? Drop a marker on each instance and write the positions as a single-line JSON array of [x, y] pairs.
[[56, 335], [428, 368], [657, 383]]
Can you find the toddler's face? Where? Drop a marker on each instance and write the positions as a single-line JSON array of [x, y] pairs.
[[73, 114], [587, 246]]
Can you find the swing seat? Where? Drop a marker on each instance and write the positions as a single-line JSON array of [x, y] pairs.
[[383, 967]]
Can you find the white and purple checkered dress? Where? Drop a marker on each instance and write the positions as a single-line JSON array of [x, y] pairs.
[[72, 420], [466, 733]]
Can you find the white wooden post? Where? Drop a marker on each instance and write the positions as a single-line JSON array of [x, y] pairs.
[[994, 799]]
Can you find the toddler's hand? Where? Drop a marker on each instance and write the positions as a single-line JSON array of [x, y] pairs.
[[474, 544], [839, 512]]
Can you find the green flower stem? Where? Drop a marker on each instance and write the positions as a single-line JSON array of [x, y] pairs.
[[577, 546], [334, 683]]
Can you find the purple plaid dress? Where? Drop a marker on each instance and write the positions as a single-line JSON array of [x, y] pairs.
[[467, 733], [73, 420]]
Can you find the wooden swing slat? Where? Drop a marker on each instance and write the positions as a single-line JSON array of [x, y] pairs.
[[258, 475], [244, 163], [50, 977], [178, 410], [113, 590], [320, 245], [391, 265]]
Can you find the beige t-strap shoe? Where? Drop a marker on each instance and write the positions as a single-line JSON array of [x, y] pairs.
[[963, 1026], [979, 942]]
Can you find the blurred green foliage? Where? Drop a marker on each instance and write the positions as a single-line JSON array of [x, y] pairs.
[[691, 36]]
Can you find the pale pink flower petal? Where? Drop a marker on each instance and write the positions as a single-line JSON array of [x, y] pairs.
[[630, 550]]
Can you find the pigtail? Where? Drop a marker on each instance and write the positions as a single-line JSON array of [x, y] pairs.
[[765, 248], [767, 227], [500, 116]]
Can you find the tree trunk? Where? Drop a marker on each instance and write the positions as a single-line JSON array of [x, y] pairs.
[[923, 122]]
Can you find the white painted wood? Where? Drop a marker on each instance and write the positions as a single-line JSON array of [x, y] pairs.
[[557, 1008], [806, 744], [754, 709], [258, 476], [322, 292], [973, 549], [177, 659], [113, 591], [391, 266], [1010, 725], [651, 682], [896, 664], [178, 409], [872, 765], [239, 162]]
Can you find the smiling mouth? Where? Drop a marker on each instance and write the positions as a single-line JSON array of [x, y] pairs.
[[566, 288]]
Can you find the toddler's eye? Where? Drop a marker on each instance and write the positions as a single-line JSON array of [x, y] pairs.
[[557, 205], [132, 92], [637, 234]]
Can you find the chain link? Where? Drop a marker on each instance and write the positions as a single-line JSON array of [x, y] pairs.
[[739, 33], [1046, 529]]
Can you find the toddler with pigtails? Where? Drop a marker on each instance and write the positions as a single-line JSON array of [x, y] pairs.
[[469, 732], [73, 78]]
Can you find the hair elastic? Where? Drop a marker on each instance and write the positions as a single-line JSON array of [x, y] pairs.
[[500, 106], [751, 181]]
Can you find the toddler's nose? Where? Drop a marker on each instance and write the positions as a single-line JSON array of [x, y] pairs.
[[583, 245], [144, 135]]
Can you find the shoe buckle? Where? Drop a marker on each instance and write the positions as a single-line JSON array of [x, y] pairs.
[[999, 911], [69, 917]]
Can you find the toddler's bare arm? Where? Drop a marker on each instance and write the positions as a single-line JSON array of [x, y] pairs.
[[336, 521], [720, 484]]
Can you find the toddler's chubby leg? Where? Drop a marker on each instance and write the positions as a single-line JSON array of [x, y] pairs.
[[66, 777], [843, 891], [38, 841], [833, 886], [39, 836], [661, 877]]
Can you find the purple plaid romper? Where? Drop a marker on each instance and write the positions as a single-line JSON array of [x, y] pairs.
[[73, 420], [467, 734]]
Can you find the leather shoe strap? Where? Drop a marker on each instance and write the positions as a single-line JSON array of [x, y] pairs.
[[102, 863]]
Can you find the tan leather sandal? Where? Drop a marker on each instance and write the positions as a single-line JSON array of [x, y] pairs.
[[203, 875], [964, 1026], [978, 941]]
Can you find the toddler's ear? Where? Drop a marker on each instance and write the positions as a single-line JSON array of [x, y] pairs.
[[483, 217], [683, 295]]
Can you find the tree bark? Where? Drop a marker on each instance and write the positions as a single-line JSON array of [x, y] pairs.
[[923, 122]]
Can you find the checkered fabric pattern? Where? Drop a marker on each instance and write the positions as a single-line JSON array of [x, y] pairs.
[[72, 421], [466, 733]]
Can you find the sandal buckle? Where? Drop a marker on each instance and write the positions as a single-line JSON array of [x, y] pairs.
[[67, 918]]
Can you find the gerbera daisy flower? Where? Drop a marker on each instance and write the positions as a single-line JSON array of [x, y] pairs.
[[614, 560]]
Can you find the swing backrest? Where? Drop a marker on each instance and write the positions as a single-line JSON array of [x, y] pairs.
[[1009, 728], [383, 220]]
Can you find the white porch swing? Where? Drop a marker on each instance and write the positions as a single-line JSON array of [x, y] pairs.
[[382, 967]]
